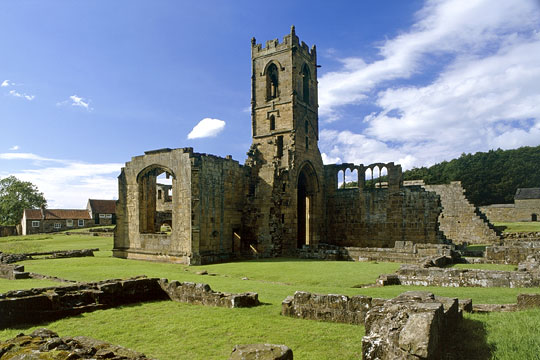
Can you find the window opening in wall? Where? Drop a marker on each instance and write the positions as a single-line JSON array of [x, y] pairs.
[[108, 216], [272, 123], [307, 143], [272, 82], [534, 217], [283, 218], [279, 146], [57, 226], [350, 181], [368, 178], [341, 179], [35, 223], [155, 211], [102, 216], [376, 177], [305, 83], [80, 222], [383, 178], [69, 222]]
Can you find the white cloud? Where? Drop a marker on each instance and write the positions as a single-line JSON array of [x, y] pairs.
[[68, 183], [485, 95], [207, 128], [443, 27], [14, 148], [80, 102], [6, 83], [21, 95]]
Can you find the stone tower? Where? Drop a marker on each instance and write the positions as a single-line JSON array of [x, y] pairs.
[[286, 181]]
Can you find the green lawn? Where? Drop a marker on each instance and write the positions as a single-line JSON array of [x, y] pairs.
[[519, 226], [170, 330]]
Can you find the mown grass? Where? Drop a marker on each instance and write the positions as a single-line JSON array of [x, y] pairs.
[[170, 330], [519, 226], [53, 242]]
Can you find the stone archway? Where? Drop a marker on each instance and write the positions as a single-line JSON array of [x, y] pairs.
[[307, 189]]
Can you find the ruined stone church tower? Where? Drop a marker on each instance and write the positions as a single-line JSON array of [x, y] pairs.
[[286, 163], [282, 199]]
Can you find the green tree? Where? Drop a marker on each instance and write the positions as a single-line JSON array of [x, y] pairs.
[[15, 196]]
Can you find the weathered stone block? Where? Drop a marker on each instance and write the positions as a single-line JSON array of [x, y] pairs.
[[261, 352]]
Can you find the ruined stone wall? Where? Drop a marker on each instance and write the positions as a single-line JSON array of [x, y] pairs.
[[135, 209], [219, 186], [12, 272], [414, 325], [511, 252], [37, 305], [460, 220], [378, 217], [333, 308], [420, 276], [521, 210]]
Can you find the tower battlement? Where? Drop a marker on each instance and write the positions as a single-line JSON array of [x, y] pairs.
[[289, 40]]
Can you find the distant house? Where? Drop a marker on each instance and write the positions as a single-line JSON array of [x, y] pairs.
[[103, 212], [528, 201], [526, 207], [50, 220]]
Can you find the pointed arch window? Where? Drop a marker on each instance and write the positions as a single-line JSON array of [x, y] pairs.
[[272, 82], [306, 77]]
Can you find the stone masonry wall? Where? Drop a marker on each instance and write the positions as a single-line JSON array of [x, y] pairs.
[[333, 308], [420, 276], [460, 220], [414, 325], [402, 252], [379, 217], [12, 272], [45, 304], [511, 252], [218, 189]]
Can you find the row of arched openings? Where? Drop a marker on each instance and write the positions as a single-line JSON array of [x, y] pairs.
[[374, 177]]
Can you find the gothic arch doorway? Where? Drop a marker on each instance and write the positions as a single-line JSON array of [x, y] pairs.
[[307, 188]]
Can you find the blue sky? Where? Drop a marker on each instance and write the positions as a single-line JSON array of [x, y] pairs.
[[86, 85]]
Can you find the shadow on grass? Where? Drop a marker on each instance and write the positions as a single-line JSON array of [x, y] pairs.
[[469, 341]]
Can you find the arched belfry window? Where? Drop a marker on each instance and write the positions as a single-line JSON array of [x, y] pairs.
[[305, 83], [272, 82]]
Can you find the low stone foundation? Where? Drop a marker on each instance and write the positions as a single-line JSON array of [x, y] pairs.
[[420, 276], [13, 272], [402, 252], [60, 254], [414, 325], [46, 344], [261, 352], [511, 251], [202, 294], [333, 308], [37, 305]]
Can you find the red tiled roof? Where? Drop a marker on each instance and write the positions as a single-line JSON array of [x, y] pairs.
[[103, 206], [32, 214], [57, 214]]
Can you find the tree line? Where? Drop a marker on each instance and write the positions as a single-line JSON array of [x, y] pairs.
[[488, 177]]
